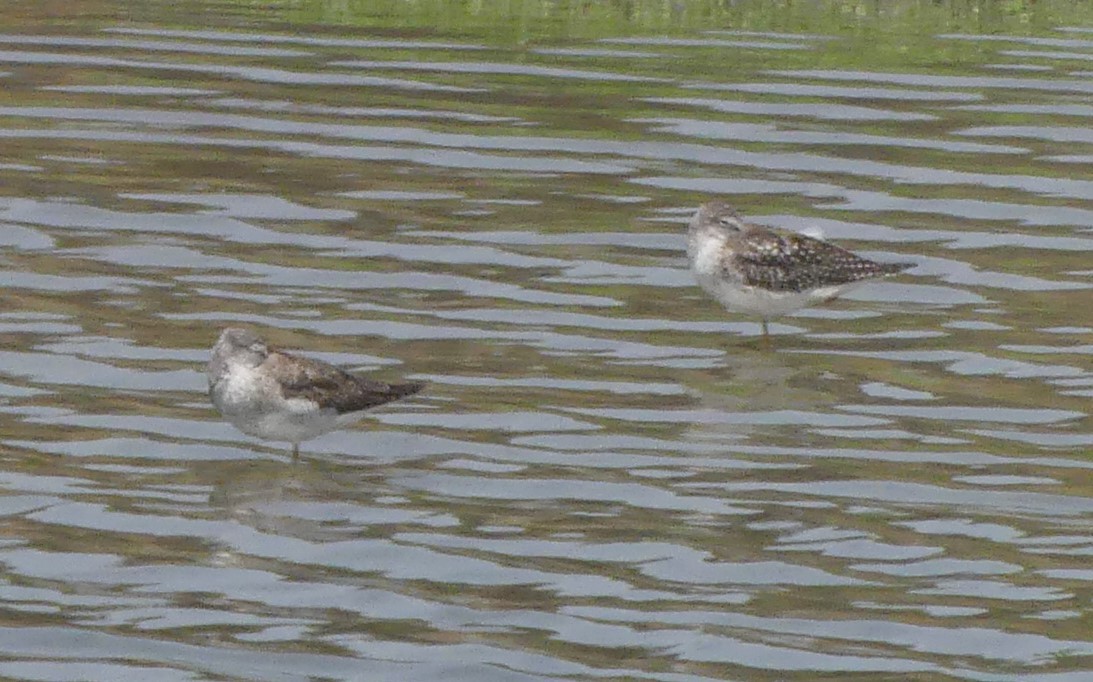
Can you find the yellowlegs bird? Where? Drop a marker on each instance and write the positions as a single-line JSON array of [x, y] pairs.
[[755, 270], [278, 396]]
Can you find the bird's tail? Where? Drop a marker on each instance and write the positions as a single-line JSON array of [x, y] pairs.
[[893, 268], [397, 391]]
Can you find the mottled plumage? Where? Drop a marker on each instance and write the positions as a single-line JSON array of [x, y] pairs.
[[279, 396], [753, 269], [329, 386]]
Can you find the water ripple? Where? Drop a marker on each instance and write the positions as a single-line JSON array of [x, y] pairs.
[[608, 476]]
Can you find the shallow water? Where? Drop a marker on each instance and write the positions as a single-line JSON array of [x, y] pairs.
[[608, 476]]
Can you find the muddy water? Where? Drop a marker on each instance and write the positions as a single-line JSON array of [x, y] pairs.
[[608, 476]]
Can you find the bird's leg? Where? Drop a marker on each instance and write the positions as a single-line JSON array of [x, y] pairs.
[[765, 341], [295, 452]]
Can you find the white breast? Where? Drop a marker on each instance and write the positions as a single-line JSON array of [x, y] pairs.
[[705, 256]]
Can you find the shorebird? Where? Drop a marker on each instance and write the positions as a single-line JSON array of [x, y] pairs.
[[755, 270], [278, 396]]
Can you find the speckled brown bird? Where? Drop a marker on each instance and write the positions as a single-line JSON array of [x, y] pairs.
[[755, 270], [279, 396]]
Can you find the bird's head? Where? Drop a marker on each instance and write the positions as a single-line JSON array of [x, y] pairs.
[[717, 214], [241, 345]]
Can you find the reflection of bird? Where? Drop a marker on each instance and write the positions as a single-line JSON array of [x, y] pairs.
[[752, 269], [274, 395]]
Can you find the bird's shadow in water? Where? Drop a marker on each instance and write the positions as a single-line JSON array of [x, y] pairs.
[[296, 498]]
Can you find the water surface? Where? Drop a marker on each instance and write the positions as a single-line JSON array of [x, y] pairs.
[[608, 476]]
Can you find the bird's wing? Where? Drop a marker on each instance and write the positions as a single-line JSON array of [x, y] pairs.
[[330, 387], [794, 262]]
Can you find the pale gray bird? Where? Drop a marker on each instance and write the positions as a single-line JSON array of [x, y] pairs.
[[279, 396], [755, 270]]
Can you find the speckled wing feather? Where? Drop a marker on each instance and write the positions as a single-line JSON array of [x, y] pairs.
[[798, 263], [329, 386]]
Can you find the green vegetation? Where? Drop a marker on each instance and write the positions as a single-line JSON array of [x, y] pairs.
[[524, 21]]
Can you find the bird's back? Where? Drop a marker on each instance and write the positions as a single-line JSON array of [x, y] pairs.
[[794, 262], [330, 387]]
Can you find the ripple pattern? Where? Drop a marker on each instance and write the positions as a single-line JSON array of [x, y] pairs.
[[608, 477]]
